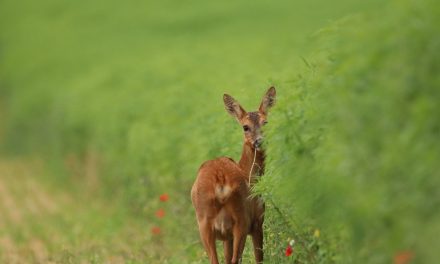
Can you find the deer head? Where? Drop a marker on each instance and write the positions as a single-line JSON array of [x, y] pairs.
[[252, 122]]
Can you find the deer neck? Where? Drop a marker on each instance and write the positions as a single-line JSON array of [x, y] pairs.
[[247, 158]]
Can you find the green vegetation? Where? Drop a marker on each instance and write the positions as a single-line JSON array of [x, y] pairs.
[[117, 103], [358, 154]]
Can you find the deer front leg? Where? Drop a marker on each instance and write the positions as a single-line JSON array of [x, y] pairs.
[[239, 233], [227, 247], [257, 241]]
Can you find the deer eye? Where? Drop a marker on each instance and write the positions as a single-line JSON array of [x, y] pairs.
[[246, 128]]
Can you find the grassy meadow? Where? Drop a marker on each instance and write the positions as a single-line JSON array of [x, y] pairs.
[[107, 110]]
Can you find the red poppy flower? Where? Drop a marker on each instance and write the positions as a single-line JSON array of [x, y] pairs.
[[160, 213], [289, 250], [155, 230], [164, 197], [403, 257]]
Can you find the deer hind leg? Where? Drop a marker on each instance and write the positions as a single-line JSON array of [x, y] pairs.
[[227, 248], [208, 237], [257, 241]]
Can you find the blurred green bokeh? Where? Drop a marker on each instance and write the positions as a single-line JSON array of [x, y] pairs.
[[352, 144]]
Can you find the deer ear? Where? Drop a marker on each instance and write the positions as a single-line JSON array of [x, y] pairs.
[[268, 100], [233, 107]]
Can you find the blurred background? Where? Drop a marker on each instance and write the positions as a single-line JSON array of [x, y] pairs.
[[108, 108]]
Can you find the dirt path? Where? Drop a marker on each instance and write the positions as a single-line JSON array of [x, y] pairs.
[[23, 204], [43, 223]]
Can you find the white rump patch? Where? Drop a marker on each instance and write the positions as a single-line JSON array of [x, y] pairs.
[[222, 192]]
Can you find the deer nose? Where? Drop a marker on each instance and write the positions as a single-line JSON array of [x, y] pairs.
[[257, 142]]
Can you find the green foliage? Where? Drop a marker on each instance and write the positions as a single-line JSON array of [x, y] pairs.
[[354, 150], [352, 144]]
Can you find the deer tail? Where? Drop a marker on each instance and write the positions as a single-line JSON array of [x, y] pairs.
[[222, 193]]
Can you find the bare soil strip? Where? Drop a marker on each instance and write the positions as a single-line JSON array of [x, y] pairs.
[[23, 201]]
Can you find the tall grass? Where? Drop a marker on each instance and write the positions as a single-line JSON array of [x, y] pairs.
[[354, 144]]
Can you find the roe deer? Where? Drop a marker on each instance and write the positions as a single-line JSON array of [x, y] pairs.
[[220, 194]]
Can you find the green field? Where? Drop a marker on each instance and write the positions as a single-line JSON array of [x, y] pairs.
[[106, 106]]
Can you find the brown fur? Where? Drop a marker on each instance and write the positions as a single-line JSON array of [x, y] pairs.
[[220, 194]]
